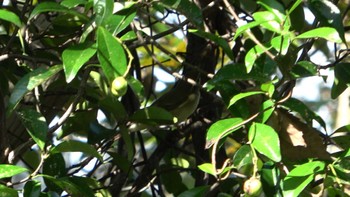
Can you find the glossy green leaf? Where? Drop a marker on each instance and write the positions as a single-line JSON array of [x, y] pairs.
[[103, 10], [187, 8], [270, 178], [281, 43], [36, 126], [328, 13], [7, 170], [73, 3], [338, 87], [75, 57], [32, 188], [224, 127], [208, 168], [216, 39], [327, 33], [7, 192], [235, 72], [76, 146], [268, 87], [243, 95], [28, 83], [122, 19], [252, 55], [293, 186], [342, 136], [110, 54], [267, 110], [265, 140], [305, 169], [55, 7], [243, 157], [10, 17], [136, 87], [55, 165], [304, 69], [268, 20], [245, 28], [274, 7]]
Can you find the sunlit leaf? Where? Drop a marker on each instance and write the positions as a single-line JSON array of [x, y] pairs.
[[252, 55], [305, 169], [28, 83], [7, 171], [73, 3], [76, 146], [328, 13], [10, 17], [75, 57], [223, 128], [122, 19], [110, 54], [8, 192], [327, 33], [265, 140], [36, 126], [208, 168], [243, 95], [293, 186]]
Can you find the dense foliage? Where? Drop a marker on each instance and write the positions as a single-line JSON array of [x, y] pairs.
[[80, 114]]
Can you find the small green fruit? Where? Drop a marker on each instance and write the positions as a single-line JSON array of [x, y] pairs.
[[119, 86], [252, 187]]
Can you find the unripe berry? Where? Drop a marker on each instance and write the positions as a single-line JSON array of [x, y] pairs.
[[119, 86], [252, 187]]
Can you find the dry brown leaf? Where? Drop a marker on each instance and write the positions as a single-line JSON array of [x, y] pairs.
[[299, 140]]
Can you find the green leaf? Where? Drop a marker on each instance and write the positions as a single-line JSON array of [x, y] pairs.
[[305, 169], [36, 126], [208, 168], [327, 33], [281, 43], [236, 72], [7, 192], [187, 8], [218, 40], [7, 171], [268, 87], [110, 54], [274, 7], [293, 186], [268, 20], [55, 7], [76, 146], [103, 10], [73, 3], [32, 188], [270, 178], [265, 140], [10, 17], [267, 110], [328, 13], [28, 83], [122, 19], [252, 55], [243, 157], [342, 136], [303, 69], [223, 128], [246, 27], [74, 57], [243, 95]]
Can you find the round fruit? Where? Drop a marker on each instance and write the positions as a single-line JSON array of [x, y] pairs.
[[252, 187], [119, 86]]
